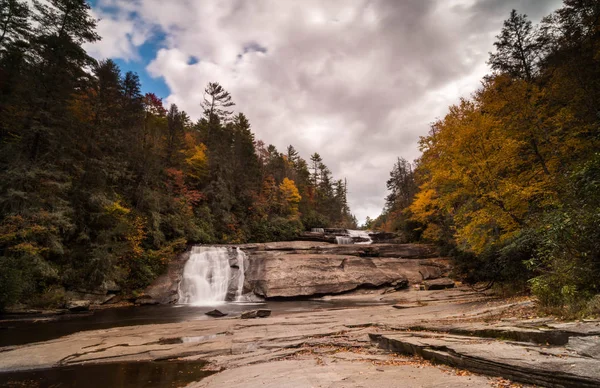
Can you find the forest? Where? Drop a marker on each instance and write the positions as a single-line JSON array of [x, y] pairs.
[[101, 184], [509, 180]]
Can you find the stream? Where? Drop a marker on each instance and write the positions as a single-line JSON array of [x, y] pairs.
[[14, 331]]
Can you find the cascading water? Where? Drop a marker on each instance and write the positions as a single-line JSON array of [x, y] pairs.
[[317, 230], [209, 275], [363, 234], [343, 240], [241, 260]]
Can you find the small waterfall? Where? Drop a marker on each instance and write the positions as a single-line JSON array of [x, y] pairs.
[[364, 234], [317, 230], [208, 273], [241, 260], [343, 240]]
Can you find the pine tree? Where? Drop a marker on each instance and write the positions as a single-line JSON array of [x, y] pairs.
[[517, 48]]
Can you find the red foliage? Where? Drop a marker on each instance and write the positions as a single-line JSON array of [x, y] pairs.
[[154, 105], [184, 195]]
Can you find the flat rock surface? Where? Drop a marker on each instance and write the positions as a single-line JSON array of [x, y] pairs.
[[546, 366], [331, 372], [333, 348], [230, 342]]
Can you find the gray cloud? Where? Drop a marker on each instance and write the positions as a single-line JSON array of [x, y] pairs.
[[357, 81]]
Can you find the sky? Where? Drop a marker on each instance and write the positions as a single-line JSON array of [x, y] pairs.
[[358, 81]]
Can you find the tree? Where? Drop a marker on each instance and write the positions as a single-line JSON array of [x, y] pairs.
[[215, 103], [316, 162], [291, 196], [176, 123], [14, 22], [517, 48], [401, 185]]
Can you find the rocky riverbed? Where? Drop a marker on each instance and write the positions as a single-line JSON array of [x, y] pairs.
[[371, 346], [391, 335]]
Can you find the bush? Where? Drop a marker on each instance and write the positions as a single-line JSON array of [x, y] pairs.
[[313, 219], [276, 229], [568, 259], [502, 262]]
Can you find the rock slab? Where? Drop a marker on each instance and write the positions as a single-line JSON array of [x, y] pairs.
[[524, 362], [289, 275], [438, 284]]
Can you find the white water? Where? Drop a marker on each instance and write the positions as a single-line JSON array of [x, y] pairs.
[[343, 240], [241, 259], [207, 274], [317, 230], [361, 233]]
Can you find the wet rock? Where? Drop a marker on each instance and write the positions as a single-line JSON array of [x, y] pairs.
[[438, 284], [249, 314], [78, 305], [263, 313], [215, 313], [146, 300]]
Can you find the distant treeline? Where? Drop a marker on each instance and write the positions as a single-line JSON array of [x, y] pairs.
[[509, 181], [100, 183]]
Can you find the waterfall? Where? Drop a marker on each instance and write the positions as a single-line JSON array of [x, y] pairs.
[[317, 230], [361, 233], [210, 274], [241, 260], [343, 240]]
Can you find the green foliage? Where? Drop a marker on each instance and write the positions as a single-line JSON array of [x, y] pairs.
[[568, 259]]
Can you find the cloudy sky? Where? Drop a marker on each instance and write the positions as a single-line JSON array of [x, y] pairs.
[[356, 80]]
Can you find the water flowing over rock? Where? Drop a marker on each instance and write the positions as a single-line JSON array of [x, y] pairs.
[[317, 230], [212, 275], [342, 240], [360, 236]]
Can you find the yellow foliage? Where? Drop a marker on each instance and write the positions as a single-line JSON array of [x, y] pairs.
[[290, 195], [116, 209], [197, 162]]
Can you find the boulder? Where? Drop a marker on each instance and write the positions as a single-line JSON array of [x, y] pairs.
[[430, 272], [263, 313], [438, 284], [215, 313], [249, 314], [111, 287], [78, 305]]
